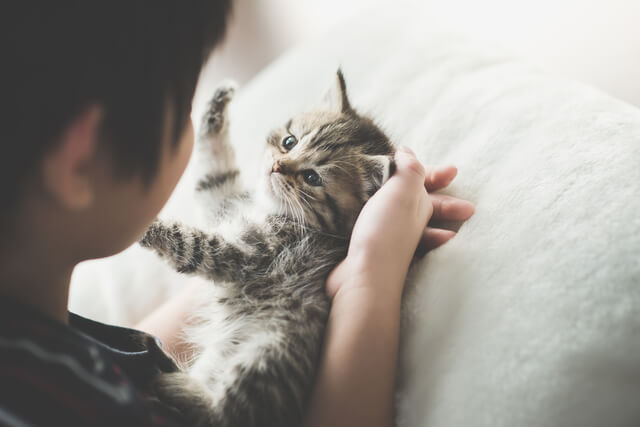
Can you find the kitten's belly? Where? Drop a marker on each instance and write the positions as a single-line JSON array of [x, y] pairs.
[[227, 338], [246, 335]]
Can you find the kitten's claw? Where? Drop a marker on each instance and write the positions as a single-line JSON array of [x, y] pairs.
[[215, 118]]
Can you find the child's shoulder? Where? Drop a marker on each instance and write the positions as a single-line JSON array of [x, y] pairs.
[[86, 373]]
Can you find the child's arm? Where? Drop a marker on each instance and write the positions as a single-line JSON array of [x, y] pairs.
[[168, 322], [358, 367]]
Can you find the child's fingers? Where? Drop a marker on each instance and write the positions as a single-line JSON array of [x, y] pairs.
[[406, 162], [450, 208], [438, 178], [433, 238], [404, 192]]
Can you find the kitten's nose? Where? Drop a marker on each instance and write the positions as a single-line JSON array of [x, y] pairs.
[[277, 167]]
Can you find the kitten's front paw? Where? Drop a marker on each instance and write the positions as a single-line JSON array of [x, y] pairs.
[[215, 118], [154, 234]]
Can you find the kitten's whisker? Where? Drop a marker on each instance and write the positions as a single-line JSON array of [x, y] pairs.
[[336, 163], [303, 197], [324, 233], [284, 204], [336, 166], [295, 215], [312, 197], [299, 213]]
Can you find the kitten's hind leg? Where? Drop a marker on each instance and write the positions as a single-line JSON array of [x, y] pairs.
[[185, 395], [249, 396], [219, 185]]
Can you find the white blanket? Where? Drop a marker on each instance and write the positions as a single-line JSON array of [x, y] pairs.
[[531, 315]]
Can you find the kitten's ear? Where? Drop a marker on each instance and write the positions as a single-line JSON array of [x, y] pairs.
[[378, 170], [336, 97]]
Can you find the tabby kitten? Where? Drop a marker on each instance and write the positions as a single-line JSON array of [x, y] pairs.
[[268, 254]]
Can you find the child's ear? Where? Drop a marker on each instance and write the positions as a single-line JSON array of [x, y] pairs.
[[66, 167], [336, 98], [378, 170]]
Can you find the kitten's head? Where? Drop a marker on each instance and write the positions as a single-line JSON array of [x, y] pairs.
[[322, 166]]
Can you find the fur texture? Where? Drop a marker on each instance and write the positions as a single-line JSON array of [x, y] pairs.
[[267, 256]]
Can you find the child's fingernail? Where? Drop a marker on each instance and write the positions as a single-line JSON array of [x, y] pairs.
[[406, 149]]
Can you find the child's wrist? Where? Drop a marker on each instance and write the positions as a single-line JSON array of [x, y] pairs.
[[356, 279], [358, 301]]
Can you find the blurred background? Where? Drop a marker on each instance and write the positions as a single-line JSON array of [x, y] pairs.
[[594, 41]]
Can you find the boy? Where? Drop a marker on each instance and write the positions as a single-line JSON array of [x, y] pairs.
[[95, 123]]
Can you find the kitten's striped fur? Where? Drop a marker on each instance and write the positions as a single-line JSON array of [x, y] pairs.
[[268, 258]]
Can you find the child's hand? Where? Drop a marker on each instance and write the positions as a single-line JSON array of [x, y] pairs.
[[357, 372], [393, 223]]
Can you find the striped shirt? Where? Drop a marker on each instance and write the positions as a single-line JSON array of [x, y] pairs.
[[81, 374]]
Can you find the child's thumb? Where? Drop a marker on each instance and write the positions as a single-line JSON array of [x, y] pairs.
[[408, 166]]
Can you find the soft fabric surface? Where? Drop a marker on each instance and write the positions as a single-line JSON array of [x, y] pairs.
[[531, 315]]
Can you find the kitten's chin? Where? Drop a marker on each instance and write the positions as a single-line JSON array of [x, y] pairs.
[[267, 197], [269, 186]]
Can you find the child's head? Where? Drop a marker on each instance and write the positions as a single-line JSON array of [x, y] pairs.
[[96, 98]]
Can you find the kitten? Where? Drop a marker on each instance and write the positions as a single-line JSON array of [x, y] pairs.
[[268, 255]]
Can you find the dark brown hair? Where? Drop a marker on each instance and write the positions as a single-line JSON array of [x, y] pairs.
[[135, 58]]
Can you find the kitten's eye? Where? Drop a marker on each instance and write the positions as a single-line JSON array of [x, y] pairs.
[[289, 142], [311, 178]]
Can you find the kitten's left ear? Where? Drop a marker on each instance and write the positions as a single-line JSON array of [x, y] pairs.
[[378, 169], [336, 97]]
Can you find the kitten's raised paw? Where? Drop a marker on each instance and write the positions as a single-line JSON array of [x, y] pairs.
[[215, 118]]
